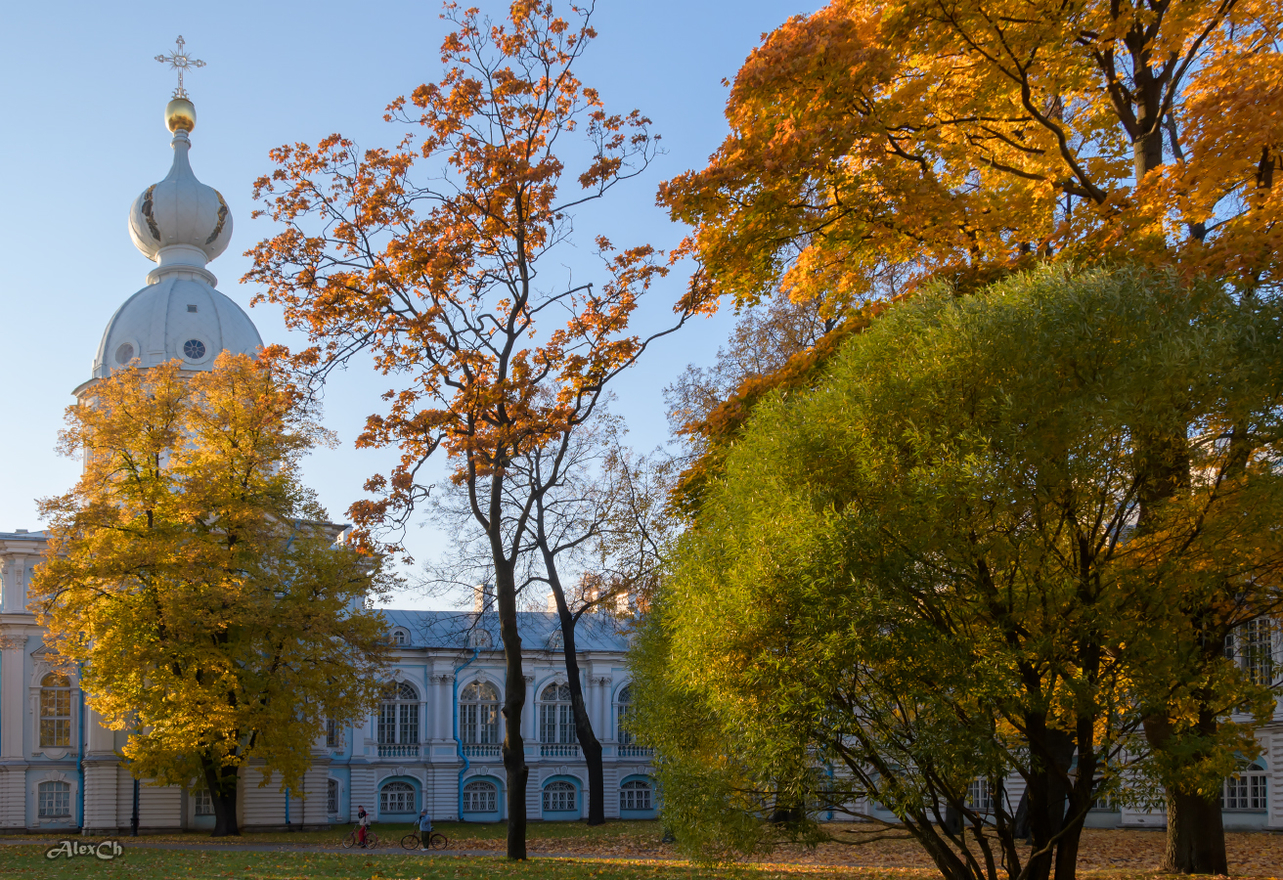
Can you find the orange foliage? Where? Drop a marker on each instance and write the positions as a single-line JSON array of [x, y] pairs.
[[928, 133], [436, 276]]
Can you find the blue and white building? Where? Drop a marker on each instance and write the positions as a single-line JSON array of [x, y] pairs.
[[434, 741]]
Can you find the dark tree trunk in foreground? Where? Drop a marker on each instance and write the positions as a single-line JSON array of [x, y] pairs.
[[583, 724], [514, 700], [1195, 832], [222, 783]]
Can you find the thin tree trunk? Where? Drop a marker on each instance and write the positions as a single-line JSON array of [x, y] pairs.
[[583, 723], [514, 700]]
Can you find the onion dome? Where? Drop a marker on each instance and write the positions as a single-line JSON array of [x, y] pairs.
[[180, 212], [181, 224]]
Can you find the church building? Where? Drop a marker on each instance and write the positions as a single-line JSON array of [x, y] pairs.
[[435, 739]]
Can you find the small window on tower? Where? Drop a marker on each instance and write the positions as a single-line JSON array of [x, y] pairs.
[[191, 308], [194, 349]]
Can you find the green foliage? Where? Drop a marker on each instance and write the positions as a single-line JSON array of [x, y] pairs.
[[928, 570]]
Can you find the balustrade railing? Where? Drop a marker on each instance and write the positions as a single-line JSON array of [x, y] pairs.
[[559, 750], [634, 751], [479, 750], [398, 750]]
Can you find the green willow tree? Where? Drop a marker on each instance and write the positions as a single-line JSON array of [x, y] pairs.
[[922, 577], [195, 579]]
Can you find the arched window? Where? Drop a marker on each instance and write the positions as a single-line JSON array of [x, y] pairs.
[[400, 637], [397, 797], [331, 796], [399, 721], [559, 797], [557, 722], [55, 711], [480, 797], [1248, 788], [54, 800], [480, 638], [479, 720], [635, 794], [628, 748]]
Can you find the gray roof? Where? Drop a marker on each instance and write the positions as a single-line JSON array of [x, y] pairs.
[[449, 629]]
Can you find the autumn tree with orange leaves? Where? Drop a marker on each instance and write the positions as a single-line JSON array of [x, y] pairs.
[[965, 137], [432, 258]]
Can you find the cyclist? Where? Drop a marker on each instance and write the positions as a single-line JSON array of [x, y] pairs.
[[425, 829], [362, 823]]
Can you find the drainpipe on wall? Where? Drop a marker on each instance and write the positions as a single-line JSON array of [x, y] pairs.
[[454, 712], [80, 755]]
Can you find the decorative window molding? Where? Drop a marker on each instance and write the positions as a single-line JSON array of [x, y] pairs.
[[53, 697], [480, 638], [54, 795], [401, 637]]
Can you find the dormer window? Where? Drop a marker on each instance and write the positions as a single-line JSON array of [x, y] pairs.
[[191, 308], [400, 637]]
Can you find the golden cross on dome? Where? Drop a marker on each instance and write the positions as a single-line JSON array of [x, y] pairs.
[[180, 61]]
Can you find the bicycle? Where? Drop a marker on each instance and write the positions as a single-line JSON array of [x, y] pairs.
[[371, 839], [436, 840]]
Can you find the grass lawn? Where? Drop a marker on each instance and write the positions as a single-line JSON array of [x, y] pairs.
[[29, 861], [615, 850]]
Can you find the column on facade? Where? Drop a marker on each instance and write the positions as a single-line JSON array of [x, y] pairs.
[[528, 715], [445, 697], [12, 686], [13, 778]]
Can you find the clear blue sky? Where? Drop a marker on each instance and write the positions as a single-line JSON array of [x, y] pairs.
[[81, 100]]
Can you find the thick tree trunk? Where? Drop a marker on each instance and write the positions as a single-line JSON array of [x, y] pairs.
[[1053, 752], [514, 701], [222, 783], [1195, 832], [1195, 835]]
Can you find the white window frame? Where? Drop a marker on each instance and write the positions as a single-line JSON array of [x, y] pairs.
[[560, 796], [331, 796], [397, 724], [479, 730], [557, 736], [53, 799], [630, 795], [1248, 789], [395, 794], [55, 696], [480, 796], [202, 803]]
